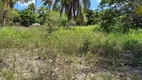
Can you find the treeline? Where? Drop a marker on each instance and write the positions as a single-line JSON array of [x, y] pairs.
[[72, 9], [110, 14], [117, 15], [42, 16]]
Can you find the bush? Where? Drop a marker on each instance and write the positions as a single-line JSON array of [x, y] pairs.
[[27, 17]]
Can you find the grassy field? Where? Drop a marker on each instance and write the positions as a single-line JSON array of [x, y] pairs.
[[79, 53]]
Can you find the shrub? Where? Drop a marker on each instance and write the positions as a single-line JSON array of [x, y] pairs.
[[27, 17]]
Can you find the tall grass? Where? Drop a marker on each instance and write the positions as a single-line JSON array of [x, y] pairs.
[[113, 48], [69, 41]]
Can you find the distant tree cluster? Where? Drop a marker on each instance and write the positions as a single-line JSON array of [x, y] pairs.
[[110, 14], [117, 14], [71, 8]]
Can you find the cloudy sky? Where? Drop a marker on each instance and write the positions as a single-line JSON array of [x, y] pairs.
[[94, 4]]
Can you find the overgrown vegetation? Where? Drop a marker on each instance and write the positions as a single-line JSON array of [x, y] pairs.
[[66, 40], [62, 48], [117, 15]]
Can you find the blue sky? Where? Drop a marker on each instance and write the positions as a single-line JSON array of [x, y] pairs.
[[94, 4]]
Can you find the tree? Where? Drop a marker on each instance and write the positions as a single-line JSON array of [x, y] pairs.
[[72, 8], [4, 5], [48, 2], [43, 14], [90, 17], [32, 7], [120, 13], [27, 16], [12, 2]]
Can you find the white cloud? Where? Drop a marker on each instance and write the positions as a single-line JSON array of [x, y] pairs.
[[26, 4], [99, 1]]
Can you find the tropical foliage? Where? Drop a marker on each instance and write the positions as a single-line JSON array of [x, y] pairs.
[[66, 40], [123, 13]]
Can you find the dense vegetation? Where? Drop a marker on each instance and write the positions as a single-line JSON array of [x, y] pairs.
[[66, 52], [71, 42]]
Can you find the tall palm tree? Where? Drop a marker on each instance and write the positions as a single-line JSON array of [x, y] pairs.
[[48, 2], [11, 3], [72, 8], [35, 5], [86, 4], [4, 5]]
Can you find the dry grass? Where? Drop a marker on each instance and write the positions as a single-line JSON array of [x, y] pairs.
[[66, 54]]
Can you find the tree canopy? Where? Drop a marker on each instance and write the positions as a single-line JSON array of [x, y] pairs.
[[109, 14]]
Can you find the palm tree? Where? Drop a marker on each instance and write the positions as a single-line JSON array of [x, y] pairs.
[[4, 5], [11, 3], [72, 8], [35, 5], [48, 2]]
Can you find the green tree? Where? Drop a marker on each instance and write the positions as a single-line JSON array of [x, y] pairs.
[[48, 2], [90, 17], [27, 16], [4, 5], [43, 15], [72, 8], [31, 7], [119, 13], [6, 8]]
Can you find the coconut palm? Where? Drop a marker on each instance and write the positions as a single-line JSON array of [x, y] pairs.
[[12, 2], [4, 5], [48, 2], [35, 6], [72, 8]]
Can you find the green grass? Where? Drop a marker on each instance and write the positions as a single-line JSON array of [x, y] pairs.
[[88, 42], [69, 41]]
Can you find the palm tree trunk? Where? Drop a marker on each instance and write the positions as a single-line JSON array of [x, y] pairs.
[[4, 2], [35, 6], [11, 4]]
